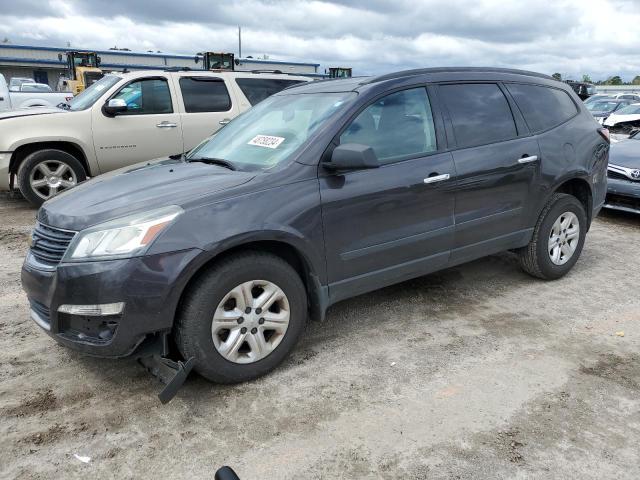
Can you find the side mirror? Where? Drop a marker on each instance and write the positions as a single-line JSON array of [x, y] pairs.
[[352, 156], [114, 107]]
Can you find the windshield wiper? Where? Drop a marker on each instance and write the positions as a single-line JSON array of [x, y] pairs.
[[213, 161]]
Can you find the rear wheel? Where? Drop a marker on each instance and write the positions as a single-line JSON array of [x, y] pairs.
[[45, 173], [557, 240], [242, 318]]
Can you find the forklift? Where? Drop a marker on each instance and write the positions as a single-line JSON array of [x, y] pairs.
[[216, 61], [83, 69], [340, 72]]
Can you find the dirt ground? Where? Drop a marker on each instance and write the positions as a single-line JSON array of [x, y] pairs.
[[475, 372]]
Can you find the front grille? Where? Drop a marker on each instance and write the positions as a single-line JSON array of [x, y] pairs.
[[617, 176], [49, 244]]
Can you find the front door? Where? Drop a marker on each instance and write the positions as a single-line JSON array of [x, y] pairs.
[[150, 128], [497, 163], [387, 224]]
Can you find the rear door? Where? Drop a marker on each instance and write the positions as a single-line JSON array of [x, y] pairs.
[[497, 164], [387, 224], [206, 105], [150, 127]]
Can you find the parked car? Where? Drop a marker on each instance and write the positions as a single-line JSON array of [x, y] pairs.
[[598, 97], [603, 108], [583, 90], [624, 120], [32, 97], [628, 96], [15, 82], [120, 120], [624, 175], [321, 192]]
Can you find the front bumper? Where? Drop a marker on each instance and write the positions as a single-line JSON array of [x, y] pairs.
[[5, 158], [623, 195], [150, 288]]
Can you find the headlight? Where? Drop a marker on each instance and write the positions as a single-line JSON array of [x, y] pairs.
[[121, 238]]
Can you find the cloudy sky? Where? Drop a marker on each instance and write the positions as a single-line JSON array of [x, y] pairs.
[[573, 37]]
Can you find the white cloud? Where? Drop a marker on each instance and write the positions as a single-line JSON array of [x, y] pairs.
[[573, 37]]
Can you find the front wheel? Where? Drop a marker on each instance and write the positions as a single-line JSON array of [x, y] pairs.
[[45, 173], [557, 240], [242, 318]]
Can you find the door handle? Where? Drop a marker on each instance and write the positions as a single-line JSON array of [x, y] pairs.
[[437, 178], [166, 124], [528, 159], [224, 121]]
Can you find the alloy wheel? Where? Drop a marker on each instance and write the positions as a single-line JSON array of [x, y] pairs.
[[51, 177]]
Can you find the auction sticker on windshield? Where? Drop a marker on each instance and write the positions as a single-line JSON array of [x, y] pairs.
[[268, 141]]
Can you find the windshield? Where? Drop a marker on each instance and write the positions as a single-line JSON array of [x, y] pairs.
[[602, 106], [629, 110], [271, 131], [90, 95]]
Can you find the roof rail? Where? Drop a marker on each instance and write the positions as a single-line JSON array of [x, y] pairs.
[[423, 71], [177, 69], [266, 71]]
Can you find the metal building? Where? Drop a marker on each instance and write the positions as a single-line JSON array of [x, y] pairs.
[[43, 65]]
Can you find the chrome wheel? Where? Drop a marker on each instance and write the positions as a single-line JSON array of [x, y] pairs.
[[51, 177], [564, 238], [250, 321]]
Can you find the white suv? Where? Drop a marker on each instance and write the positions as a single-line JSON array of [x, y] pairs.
[[120, 120]]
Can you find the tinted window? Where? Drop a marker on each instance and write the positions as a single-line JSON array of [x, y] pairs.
[[145, 97], [542, 107], [479, 112], [395, 126], [257, 89], [204, 94]]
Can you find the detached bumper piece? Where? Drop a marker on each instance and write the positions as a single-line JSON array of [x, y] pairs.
[[152, 355]]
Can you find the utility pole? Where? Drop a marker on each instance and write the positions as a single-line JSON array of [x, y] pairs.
[[239, 41]]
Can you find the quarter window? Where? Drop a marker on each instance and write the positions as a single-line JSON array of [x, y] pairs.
[[479, 112], [542, 107], [257, 89], [204, 94], [146, 96], [398, 125]]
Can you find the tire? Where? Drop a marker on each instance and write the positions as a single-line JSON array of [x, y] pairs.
[[41, 166], [203, 304], [545, 256]]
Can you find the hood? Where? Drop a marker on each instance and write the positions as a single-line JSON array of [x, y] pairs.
[[137, 188], [625, 153], [27, 112], [614, 118]]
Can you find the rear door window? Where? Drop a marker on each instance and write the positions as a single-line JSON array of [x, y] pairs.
[[204, 94], [543, 107], [257, 89], [480, 113]]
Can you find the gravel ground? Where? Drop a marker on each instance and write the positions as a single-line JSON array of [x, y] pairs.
[[475, 372]]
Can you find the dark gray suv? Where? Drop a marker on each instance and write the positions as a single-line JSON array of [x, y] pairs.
[[319, 193]]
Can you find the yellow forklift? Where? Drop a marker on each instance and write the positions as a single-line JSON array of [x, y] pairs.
[[83, 69], [216, 60]]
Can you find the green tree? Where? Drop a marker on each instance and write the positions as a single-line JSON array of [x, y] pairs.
[[615, 80], [586, 78], [557, 76], [636, 80]]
